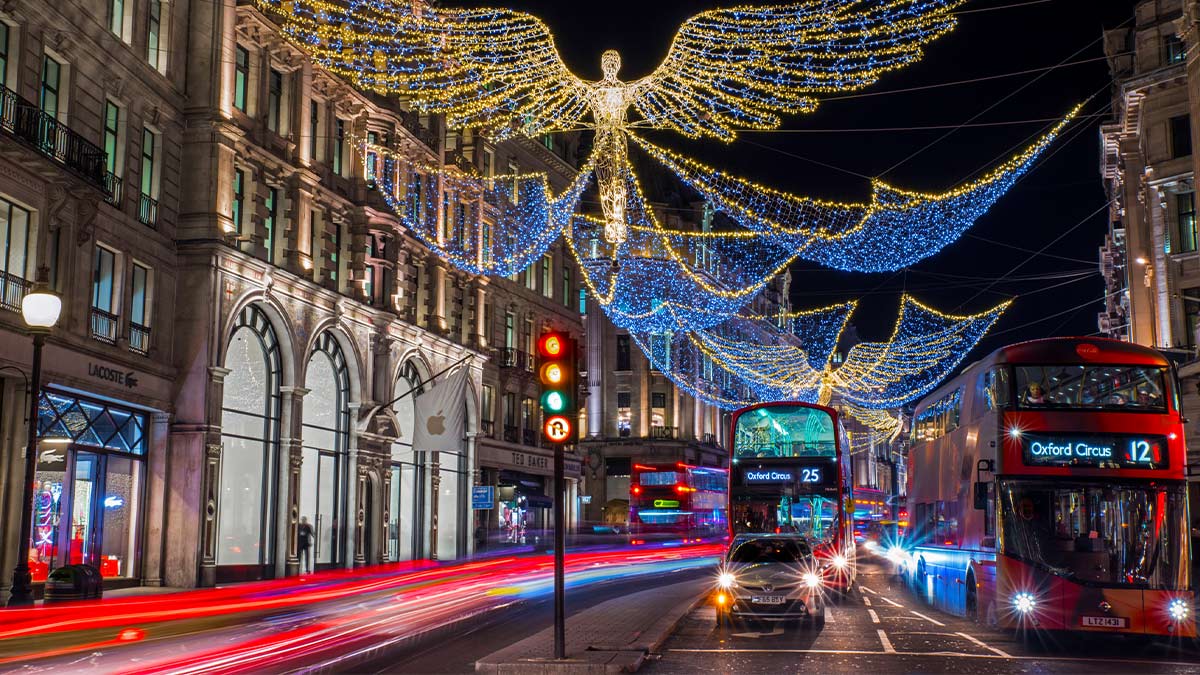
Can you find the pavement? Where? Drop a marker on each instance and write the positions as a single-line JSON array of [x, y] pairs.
[[883, 627], [611, 637]]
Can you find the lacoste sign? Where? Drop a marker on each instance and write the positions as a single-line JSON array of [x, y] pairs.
[[128, 378]]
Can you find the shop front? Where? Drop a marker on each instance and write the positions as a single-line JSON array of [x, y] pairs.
[[523, 514], [89, 486]]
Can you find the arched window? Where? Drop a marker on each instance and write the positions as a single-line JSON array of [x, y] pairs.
[[324, 446], [249, 434], [406, 501]]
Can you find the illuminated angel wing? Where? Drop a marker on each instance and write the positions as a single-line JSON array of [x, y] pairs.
[[737, 68], [493, 70]]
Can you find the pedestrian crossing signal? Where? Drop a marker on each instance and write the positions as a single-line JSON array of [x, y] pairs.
[[557, 375]]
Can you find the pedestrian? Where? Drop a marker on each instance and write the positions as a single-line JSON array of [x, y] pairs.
[[304, 535]]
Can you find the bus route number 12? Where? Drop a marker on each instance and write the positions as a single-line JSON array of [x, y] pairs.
[[1140, 452]]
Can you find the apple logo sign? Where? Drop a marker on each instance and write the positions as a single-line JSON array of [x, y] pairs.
[[436, 424]]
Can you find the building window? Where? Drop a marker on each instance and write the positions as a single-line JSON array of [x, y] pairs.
[[4, 30], [324, 449], [582, 300], [487, 402], [530, 278], [241, 77], [1173, 50], [1181, 136], [372, 158], [1185, 215], [149, 160], [154, 26], [547, 276], [104, 319], [566, 284], [139, 310], [239, 199], [51, 86], [314, 126], [272, 205], [529, 337], [624, 414], [334, 257], [14, 245], [274, 99], [486, 242], [116, 17], [510, 337], [339, 145], [1191, 312], [623, 360], [112, 134]]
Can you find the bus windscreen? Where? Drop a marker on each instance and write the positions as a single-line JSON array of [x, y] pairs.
[[784, 431]]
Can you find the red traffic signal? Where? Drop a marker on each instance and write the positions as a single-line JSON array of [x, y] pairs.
[[551, 345]]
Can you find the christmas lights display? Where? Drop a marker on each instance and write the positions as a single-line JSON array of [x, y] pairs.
[[748, 359]]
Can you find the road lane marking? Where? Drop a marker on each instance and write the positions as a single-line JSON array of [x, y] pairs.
[[867, 601], [887, 644], [985, 645], [953, 655], [864, 588], [874, 616], [893, 603], [932, 621]]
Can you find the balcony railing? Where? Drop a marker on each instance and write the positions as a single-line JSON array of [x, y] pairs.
[[412, 122], [114, 186], [139, 339], [488, 427], [507, 357], [12, 291], [28, 124], [663, 432], [529, 437], [510, 433], [148, 211], [104, 326]]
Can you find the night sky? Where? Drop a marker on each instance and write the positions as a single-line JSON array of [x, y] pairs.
[[1057, 195]]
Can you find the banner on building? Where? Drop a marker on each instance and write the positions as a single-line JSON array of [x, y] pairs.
[[441, 414]]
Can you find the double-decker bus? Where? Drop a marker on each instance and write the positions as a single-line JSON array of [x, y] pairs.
[[789, 473], [1047, 491], [678, 500]]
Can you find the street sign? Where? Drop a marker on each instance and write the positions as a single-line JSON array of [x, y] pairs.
[[483, 497]]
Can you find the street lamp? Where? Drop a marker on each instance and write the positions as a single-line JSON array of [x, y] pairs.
[[40, 309]]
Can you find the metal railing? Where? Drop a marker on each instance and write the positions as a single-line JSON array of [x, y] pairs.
[[104, 326], [148, 211], [12, 290], [27, 123], [663, 432], [529, 437], [506, 357], [411, 121], [139, 339], [510, 433], [488, 427], [115, 188]]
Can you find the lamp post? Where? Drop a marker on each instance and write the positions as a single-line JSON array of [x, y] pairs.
[[40, 309]]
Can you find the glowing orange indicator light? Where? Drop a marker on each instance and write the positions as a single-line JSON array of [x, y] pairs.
[[557, 428], [552, 373]]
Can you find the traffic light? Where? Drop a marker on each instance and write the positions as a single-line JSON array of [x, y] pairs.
[[557, 376]]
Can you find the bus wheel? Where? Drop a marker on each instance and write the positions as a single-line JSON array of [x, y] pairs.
[[972, 599], [991, 619]]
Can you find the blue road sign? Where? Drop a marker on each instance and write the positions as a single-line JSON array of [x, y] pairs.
[[483, 497]]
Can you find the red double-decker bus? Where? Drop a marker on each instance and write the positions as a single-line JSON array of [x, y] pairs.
[[789, 473], [678, 500], [1047, 491]]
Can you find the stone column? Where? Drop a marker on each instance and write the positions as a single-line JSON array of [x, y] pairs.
[[157, 468], [595, 366], [290, 462], [438, 311], [302, 96], [211, 480], [358, 556], [481, 284], [353, 539]]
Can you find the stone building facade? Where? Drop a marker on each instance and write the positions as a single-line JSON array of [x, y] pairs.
[[1151, 260]]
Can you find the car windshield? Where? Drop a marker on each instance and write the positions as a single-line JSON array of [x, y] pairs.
[[770, 550], [1106, 534], [1091, 387], [812, 516]]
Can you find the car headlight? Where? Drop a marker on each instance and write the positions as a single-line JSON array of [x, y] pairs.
[[839, 562], [896, 555], [726, 580], [1024, 602], [1177, 610], [812, 580]]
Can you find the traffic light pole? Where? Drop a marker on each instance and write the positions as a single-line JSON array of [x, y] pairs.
[[560, 543]]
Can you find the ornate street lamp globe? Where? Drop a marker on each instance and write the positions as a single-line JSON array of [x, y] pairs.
[[41, 309]]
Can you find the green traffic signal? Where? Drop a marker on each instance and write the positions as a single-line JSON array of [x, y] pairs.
[[554, 401]]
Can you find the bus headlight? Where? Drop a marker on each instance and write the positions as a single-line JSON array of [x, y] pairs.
[[1024, 602], [839, 562], [1177, 610], [812, 580], [896, 555], [726, 580]]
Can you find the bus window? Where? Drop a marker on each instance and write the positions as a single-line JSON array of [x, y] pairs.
[[784, 431], [993, 389], [1092, 387]]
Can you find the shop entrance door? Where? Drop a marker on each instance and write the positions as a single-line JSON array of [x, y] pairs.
[[86, 488], [328, 549]]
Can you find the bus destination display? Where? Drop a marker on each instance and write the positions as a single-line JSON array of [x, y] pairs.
[[785, 475], [1094, 450]]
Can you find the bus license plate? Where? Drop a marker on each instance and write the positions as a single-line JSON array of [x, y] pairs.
[[1106, 621], [767, 599]]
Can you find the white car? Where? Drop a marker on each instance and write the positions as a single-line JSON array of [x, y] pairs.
[[770, 577]]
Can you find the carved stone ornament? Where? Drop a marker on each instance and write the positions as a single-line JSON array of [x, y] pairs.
[[87, 209]]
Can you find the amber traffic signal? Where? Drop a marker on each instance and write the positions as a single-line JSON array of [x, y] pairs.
[[556, 373]]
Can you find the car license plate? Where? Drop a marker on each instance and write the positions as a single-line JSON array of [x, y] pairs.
[[767, 599], [1106, 621]]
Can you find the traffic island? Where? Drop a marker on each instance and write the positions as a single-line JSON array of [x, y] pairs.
[[612, 637]]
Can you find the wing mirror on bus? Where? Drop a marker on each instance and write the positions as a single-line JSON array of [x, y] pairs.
[[981, 495]]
